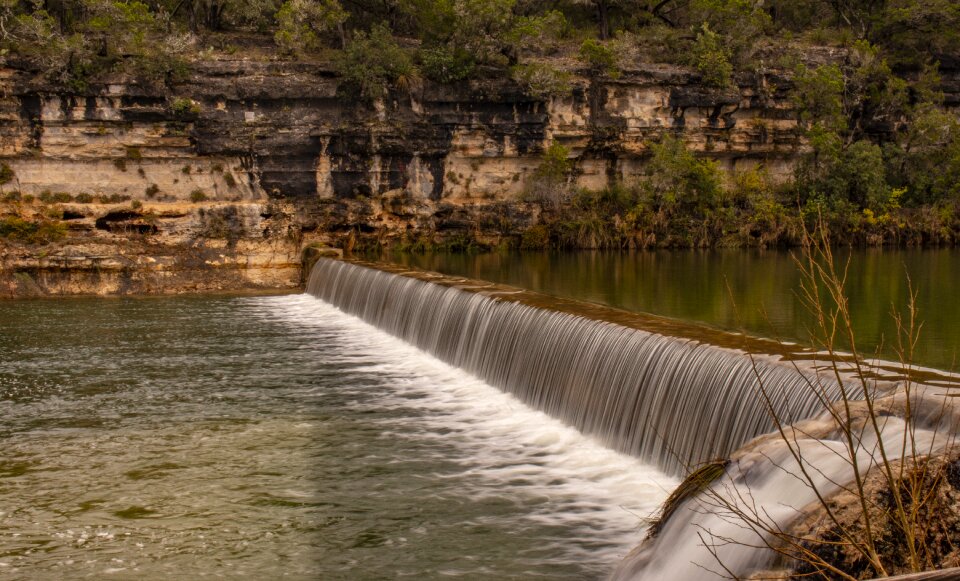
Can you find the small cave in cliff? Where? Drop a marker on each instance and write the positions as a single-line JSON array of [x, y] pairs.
[[125, 221]]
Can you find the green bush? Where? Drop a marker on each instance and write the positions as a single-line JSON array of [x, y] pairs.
[[114, 199], [599, 58], [446, 64], [539, 34], [711, 58], [535, 238], [555, 164], [6, 174], [550, 185], [302, 24], [184, 107], [373, 62], [38, 232], [677, 180], [198, 196], [541, 81]]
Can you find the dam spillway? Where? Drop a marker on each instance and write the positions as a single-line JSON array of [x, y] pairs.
[[672, 401]]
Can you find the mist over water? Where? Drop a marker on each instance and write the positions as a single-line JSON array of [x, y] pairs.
[[277, 437]]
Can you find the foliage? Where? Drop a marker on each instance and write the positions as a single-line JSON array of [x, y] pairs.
[[550, 184], [474, 32], [374, 62], [302, 24], [81, 39], [677, 180], [711, 58], [541, 81], [882, 512], [184, 107], [31, 232], [599, 58], [6, 174], [446, 64], [538, 34], [818, 96], [555, 165], [737, 22]]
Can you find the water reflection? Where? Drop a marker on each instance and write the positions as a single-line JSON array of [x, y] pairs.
[[693, 285]]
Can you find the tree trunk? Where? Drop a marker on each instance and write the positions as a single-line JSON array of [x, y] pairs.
[[603, 19]]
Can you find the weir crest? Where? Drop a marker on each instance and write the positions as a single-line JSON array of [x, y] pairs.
[[674, 402]]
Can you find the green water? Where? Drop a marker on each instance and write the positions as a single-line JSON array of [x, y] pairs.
[[693, 285], [276, 437]]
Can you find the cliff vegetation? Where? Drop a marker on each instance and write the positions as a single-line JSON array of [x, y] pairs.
[[469, 124]]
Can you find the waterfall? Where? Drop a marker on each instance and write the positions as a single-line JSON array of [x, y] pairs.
[[706, 537], [670, 401]]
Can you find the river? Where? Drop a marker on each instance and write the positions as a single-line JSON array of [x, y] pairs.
[[276, 437]]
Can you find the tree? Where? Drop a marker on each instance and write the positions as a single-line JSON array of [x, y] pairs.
[[302, 24], [374, 61], [677, 180], [712, 58]]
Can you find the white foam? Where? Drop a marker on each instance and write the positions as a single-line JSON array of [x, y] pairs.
[[508, 449]]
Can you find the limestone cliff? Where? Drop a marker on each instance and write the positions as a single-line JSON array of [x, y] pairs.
[[221, 180]]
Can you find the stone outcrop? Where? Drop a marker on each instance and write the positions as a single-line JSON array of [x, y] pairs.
[[252, 140]]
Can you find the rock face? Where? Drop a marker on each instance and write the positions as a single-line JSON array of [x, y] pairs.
[[284, 157]]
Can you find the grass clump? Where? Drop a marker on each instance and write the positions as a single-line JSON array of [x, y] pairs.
[[31, 232]]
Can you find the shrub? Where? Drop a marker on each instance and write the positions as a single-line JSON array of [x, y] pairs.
[[541, 81], [372, 62], [301, 24], [198, 196], [83, 198], [134, 154], [539, 34], [152, 190], [550, 184], [114, 199], [535, 238], [599, 58], [184, 107], [446, 64], [712, 58], [39, 232], [6, 174], [677, 179], [120, 164]]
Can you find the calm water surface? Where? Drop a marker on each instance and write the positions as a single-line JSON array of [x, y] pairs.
[[275, 437], [693, 285]]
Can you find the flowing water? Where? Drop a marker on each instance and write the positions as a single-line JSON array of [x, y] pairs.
[[697, 286], [673, 402], [268, 437], [276, 437]]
